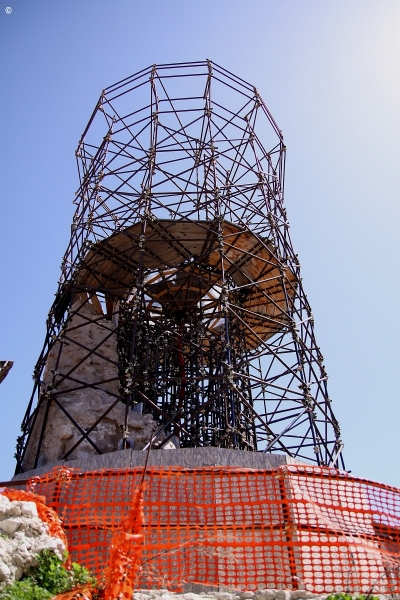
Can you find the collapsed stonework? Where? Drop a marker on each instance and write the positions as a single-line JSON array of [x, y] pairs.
[[23, 535], [73, 363]]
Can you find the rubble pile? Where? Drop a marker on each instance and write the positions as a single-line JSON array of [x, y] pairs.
[[23, 535]]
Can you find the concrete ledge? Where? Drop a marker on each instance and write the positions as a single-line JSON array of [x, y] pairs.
[[183, 457]]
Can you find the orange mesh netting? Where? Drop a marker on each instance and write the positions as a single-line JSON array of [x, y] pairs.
[[293, 527], [126, 552], [82, 593]]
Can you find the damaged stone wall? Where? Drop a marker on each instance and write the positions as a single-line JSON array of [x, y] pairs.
[[70, 368]]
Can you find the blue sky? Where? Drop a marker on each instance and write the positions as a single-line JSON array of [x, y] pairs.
[[330, 74]]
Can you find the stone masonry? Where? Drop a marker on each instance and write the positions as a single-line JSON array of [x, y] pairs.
[[86, 331]]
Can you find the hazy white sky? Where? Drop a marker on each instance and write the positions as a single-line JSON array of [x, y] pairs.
[[330, 74]]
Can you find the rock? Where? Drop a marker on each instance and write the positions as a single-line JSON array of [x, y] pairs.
[[302, 595], [170, 446], [5, 506], [10, 526], [28, 509], [221, 595], [4, 571], [266, 594]]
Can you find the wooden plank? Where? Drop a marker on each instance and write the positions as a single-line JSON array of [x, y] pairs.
[[96, 304]]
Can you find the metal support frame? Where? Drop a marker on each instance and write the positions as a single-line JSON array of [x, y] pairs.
[[181, 240]]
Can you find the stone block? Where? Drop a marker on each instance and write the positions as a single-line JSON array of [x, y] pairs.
[[28, 509], [265, 594], [10, 526]]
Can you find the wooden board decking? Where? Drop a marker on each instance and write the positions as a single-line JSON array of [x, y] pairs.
[[184, 262]]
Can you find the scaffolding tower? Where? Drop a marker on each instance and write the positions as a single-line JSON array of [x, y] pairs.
[[180, 252]]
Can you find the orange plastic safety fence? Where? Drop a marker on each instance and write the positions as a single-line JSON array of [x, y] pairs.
[[82, 593], [293, 527], [126, 552]]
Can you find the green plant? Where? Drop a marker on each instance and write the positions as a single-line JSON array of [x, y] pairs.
[[50, 573], [47, 579], [81, 576], [26, 589], [343, 596]]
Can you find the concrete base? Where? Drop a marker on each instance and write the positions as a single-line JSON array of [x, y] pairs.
[[182, 457]]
